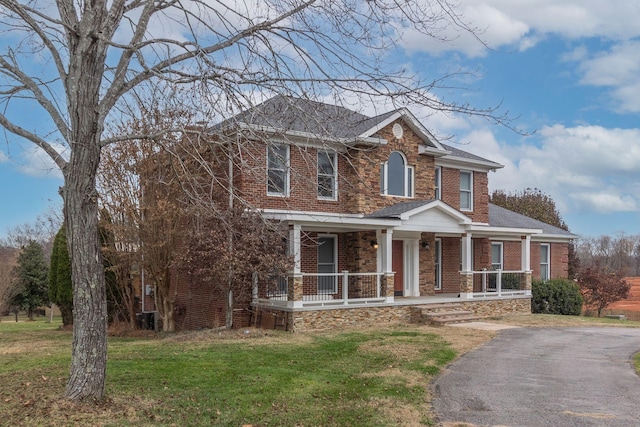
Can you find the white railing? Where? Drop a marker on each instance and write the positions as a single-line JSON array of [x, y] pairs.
[[341, 288], [328, 289], [499, 283]]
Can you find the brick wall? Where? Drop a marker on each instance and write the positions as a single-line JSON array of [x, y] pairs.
[[559, 260], [511, 259], [451, 264], [358, 182], [451, 193]]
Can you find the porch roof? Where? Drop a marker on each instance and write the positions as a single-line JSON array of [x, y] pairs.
[[501, 217], [425, 216]]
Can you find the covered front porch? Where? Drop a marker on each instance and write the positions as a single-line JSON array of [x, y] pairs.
[[347, 289]]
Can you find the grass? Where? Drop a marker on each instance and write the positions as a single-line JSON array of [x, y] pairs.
[[373, 377], [258, 378]]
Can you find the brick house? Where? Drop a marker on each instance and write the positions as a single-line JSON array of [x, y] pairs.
[[381, 217]]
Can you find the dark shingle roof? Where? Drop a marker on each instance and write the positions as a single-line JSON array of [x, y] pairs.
[[302, 115], [463, 154], [501, 217], [395, 211]]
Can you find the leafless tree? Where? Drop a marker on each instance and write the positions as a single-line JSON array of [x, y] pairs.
[[8, 288], [618, 253], [78, 63], [42, 230]]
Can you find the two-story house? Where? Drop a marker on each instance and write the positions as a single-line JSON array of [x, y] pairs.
[[381, 217]]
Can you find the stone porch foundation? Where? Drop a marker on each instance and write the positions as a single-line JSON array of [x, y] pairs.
[[330, 318]]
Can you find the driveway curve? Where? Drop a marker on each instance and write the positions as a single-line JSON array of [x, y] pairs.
[[544, 377]]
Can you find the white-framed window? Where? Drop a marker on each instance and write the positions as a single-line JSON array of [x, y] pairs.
[[496, 256], [327, 264], [466, 190], [545, 262], [327, 175], [438, 264], [278, 170], [437, 178], [396, 176]]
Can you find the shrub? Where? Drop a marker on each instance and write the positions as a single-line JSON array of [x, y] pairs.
[[558, 296]]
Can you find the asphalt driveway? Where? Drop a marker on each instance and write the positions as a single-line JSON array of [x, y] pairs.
[[544, 377]]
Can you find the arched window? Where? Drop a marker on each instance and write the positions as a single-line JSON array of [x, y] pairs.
[[396, 177]]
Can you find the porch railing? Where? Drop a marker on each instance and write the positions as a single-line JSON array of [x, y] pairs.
[[326, 289], [499, 283]]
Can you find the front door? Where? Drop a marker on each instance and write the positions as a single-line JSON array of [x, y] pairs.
[[397, 264]]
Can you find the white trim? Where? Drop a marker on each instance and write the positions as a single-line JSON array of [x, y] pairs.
[[408, 175], [437, 182], [501, 245], [548, 261], [437, 249], [308, 139], [335, 261], [287, 169], [333, 159], [410, 120], [462, 163], [470, 191]]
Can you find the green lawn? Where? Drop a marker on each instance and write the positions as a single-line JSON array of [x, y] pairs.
[[372, 378]]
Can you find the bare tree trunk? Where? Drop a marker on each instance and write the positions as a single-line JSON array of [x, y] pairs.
[[229, 314], [89, 348]]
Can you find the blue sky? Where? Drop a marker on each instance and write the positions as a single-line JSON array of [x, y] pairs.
[[569, 71]]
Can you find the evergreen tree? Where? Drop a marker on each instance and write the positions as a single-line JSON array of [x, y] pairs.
[[31, 278], [60, 284]]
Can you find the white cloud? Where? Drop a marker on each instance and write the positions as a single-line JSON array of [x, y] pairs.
[[583, 168], [491, 26], [522, 24], [619, 69], [36, 162]]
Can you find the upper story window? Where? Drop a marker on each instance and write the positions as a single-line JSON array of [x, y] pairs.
[[327, 175], [545, 262], [396, 176], [278, 170], [466, 191], [437, 178]]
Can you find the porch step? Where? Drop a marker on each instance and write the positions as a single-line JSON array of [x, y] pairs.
[[441, 314]]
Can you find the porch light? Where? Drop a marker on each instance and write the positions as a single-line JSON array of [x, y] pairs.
[[374, 244], [425, 244]]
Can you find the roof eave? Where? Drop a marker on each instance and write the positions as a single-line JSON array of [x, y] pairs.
[[300, 135], [411, 121], [461, 162]]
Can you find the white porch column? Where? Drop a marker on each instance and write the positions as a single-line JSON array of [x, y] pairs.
[[466, 275], [294, 246], [525, 263], [385, 239], [467, 248]]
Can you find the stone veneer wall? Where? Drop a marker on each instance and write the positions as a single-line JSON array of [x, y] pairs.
[[335, 318]]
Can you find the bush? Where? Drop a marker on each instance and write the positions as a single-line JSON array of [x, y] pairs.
[[558, 296]]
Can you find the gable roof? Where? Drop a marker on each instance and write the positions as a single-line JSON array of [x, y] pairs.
[[312, 120], [317, 120], [501, 217]]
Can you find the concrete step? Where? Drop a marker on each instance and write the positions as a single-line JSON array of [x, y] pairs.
[[441, 321], [453, 313]]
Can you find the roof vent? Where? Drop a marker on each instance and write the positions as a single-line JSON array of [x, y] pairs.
[[397, 130]]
